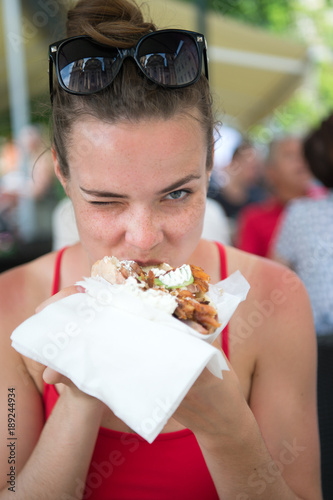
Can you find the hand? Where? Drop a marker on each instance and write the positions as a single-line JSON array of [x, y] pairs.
[[212, 406], [51, 376]]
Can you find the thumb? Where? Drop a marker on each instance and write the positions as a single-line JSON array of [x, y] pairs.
[[65, 292]]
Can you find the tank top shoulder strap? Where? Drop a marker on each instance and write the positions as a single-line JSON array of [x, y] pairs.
[[224, 274], [56, 274], [223, 260]]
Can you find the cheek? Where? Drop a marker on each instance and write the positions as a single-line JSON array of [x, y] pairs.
[[92, 224], [188, 221]]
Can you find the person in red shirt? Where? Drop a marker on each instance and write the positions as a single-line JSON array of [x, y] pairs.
[[288, 177]]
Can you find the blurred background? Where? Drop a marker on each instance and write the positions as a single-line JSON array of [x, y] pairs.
[[271, 74]]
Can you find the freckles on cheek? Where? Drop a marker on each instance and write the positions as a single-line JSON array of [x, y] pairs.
[[91, 225], [182, 228], [191, 221]]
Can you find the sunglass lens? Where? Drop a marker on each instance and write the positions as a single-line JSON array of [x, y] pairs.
[[86, 67], [170, 59]]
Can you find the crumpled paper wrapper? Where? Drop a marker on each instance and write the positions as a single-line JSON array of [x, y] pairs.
[[137, 359]]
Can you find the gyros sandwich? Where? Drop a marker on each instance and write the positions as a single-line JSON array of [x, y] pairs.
[[187, 284]]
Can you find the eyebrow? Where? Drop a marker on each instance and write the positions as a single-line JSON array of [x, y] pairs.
[[179, 183], [102, 194], [168, 189]]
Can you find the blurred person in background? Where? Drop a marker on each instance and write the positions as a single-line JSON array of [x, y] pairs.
[[287, 177], [304, 241], [29, 175], [9, 157], [238, 183]]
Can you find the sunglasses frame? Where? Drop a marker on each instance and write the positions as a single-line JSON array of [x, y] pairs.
[[55, 47]]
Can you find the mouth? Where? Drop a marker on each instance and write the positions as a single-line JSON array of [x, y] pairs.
[[146, 263], [143, 262]]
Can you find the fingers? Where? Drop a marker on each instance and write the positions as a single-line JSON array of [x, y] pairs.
[[65, 292], [52, 377]]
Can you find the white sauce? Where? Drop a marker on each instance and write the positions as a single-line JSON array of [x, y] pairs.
[[177, 277]]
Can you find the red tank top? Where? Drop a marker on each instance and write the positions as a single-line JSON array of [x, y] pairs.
[[126, 467]]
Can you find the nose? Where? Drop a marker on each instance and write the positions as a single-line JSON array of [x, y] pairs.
[[144, 229]]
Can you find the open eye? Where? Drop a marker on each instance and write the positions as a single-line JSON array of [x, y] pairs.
[[178, 195]]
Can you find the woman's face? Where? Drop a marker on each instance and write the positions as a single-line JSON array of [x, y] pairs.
[[138, 189]]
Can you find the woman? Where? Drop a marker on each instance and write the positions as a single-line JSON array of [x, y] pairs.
[[135, 159]]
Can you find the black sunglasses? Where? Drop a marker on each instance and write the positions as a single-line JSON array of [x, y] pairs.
[[170, 58]]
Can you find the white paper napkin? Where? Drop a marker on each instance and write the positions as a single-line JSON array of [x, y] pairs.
[[137, 359]]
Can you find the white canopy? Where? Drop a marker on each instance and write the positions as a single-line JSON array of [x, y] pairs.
[[251, 70]]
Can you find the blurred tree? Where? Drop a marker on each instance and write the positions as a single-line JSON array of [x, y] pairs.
[[275, 15]]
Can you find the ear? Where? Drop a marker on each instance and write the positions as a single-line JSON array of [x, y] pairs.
[[57, 170]]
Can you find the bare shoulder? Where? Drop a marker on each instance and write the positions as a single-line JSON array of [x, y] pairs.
[[275, 289], [24, 287], [274, 324]]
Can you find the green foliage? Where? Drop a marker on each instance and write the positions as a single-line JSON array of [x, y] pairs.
[[276, 16], [325, 85], [273, 15]]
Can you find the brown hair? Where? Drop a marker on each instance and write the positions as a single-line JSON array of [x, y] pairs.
[[130, 96], [318, 151]]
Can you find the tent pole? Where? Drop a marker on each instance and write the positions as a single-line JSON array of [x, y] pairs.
[[19, 101]]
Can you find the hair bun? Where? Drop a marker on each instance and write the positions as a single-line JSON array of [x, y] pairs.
[[117, 22]]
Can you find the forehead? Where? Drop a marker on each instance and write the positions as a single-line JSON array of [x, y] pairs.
[[282, 150], [130, 149]]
